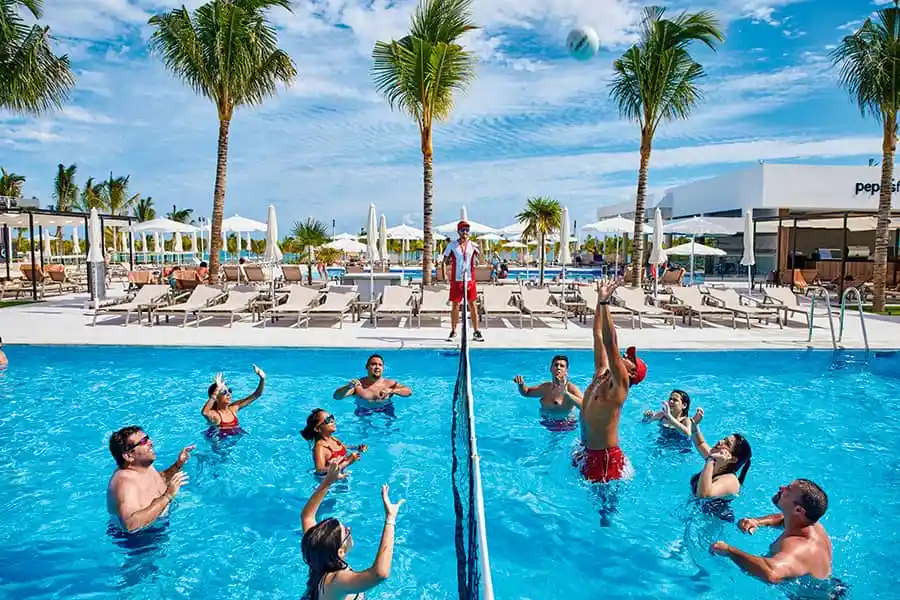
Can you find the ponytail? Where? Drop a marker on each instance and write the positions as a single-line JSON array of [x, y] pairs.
[[309, 432]]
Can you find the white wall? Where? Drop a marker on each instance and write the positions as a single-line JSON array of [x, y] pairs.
[[822, 187], [735, 190]]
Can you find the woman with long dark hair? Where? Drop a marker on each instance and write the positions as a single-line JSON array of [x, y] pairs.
[[320, 428], [727, 463], [326, 544]]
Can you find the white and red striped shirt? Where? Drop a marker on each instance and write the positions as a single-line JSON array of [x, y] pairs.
[[462, 257]]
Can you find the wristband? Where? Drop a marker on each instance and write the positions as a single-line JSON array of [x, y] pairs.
[[390, 522], [169, 496], [602, 302]]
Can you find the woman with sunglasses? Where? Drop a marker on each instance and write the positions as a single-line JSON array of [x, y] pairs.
[[220, 412], [320, 428], [326, 544]]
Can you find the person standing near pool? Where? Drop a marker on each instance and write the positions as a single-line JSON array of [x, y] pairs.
[[803, 550], [600, 459], [462, 257], [138, 494], [221, 412], [559, 396], [373, 392], [327, 543]]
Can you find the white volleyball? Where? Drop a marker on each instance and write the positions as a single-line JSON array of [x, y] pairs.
[[583, 43]]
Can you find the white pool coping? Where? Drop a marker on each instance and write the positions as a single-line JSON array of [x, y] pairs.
[[65, 320]]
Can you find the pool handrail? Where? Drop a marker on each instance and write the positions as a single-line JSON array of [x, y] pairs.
[[813, 291]]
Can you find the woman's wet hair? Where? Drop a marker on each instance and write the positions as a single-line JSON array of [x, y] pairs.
[[685, 399], [310, 432], [741, 454], [320, 547]]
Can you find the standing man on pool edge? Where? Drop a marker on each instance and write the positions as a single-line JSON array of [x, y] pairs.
[[601, 460], [461, 256]]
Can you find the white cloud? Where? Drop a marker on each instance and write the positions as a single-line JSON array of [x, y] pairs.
[[851, 25], [80, 115]]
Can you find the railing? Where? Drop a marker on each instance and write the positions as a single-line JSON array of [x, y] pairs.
[[814, 292], [851, 291]]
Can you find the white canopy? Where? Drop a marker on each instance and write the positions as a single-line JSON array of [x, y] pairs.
[[698, 226], [490, 237], [239, 224], [694, 249], [405, 232], [512, 231], [514, 245], [344, 236], [347, 246], [618, 225], [475, 228], [162, 226]]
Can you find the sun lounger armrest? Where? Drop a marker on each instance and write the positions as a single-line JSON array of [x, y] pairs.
[[713, 301], [750, 301]]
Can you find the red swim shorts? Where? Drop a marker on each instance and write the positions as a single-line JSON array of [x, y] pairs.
[[601, 466], [456, 291]]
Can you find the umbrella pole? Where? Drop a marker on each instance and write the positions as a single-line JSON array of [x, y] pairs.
[[693, 241]]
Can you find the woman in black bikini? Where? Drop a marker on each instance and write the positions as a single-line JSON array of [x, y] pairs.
[[326, 544], [220, 412], [320, 428]]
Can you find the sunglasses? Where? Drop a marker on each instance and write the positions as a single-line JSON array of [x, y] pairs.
[[326, 421], [141, 442], [224, 392], [466, 230], [346, 537]]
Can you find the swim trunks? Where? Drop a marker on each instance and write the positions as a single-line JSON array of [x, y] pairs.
[[601, 466], [456, 291], [564, 424]]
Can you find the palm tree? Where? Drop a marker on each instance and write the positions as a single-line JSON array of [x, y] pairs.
[[180, 215], [310, 235], [11, 184], [116, 198], [32, 79], [868, 61], [92, 196], [143, 209], [418, 75], [656, 80], [65, 191], [541, 217], [227, 51]]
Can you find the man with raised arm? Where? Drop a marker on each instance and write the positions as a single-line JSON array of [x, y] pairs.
[[138, 494], [802, 550], [601, 460], [559, 396]]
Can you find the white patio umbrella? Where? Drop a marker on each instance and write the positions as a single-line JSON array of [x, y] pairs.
[[696, 249], [95, 255], [239, 224], [616, 226], [512, 232], [76, 245], [372, 250], [194, 249], [178, 245], [404, 232], [475, 228], [696, 226], [157, 243], [749, 258], [273, 252], [45, 244], [658, 255], [382, 240], [565, 239], [344, 236], [515, 245], [347, 246], [162, 226], [124, 236]]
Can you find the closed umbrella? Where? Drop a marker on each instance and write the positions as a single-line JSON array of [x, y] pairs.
[[45, 244], [382, 240], [658, 255], [178, 245], [564, 253], [272, 254], [194, 249], [372, 251], [95, 259], [749, 258], [76, 245], [157, 245]]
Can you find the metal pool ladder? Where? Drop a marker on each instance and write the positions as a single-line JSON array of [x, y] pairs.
[[817, 291]]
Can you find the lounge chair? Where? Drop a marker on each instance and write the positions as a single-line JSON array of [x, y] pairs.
[[784, 300], [291, 273], [497, 301], [395, 300], [590, 298], [336, 304], [237, 303], [743, 306], [202, 297], [434, 302], [299, 302], [690, 299], [147, 298], [635, 302], [56, 277], [539, 301]]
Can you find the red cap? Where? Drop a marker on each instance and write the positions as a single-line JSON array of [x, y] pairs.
[[461, 225], [641, 366]]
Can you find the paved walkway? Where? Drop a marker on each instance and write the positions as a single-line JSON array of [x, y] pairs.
[[67, 320]]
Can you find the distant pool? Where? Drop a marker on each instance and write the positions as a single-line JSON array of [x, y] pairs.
[[234, 531]]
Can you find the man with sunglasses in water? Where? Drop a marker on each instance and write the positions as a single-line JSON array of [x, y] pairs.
[[802, 552], [373, 392], [462, 256], [138, 494]]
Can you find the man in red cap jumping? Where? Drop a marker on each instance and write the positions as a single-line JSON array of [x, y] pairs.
[[601, 460], [461, 255]]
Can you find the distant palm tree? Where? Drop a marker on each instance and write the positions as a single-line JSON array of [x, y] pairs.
[[656, 80], [542, 216], [116, 198], [309, 235], [143, 209], [228, 52], [32, 79], [869, 62], [65, 191], [180, 215], [92, 196], [11, 184], [329, 256], [418, 75]]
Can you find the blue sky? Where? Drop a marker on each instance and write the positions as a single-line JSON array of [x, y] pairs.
[[534, 123]]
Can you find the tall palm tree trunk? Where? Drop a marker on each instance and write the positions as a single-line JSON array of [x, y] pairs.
[[543, 251], [309, 260], [637, 254], [427, 200], [218, 212], [882, 233]]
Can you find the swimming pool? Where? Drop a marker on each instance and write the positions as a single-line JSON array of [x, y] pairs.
[[234, 531]]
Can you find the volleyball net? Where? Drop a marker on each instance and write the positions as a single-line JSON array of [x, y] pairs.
[[473, 564]]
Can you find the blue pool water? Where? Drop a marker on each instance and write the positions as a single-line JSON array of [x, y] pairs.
[[234, 531]]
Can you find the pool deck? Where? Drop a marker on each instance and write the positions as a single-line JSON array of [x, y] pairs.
[[67, 320]]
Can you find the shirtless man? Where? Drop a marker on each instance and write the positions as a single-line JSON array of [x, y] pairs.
[[559, 396], [138, 494], [601, 460], [803, 549], [373, 392]]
